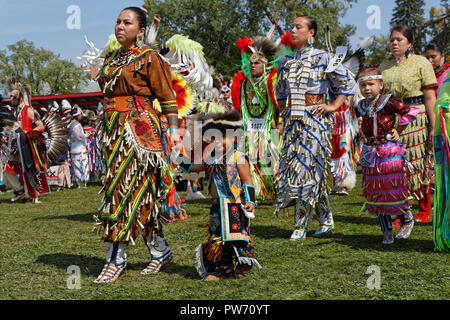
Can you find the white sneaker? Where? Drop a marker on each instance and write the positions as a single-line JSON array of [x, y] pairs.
[[298, 234]]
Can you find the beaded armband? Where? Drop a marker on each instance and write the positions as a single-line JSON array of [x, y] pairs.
[[250, 194]]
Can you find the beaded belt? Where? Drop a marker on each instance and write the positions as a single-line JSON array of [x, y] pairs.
[[127, 103], [413, 101]]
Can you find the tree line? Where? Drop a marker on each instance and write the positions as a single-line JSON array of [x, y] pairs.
[[217, 24]]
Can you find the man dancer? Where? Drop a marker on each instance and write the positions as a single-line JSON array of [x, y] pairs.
[[26, 172]]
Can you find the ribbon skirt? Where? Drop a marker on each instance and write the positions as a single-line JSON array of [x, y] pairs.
[[385, 185]]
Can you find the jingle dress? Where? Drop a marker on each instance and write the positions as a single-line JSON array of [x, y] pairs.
[[132, 142], [304, 78]]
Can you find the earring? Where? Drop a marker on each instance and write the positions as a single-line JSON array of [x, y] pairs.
[[409, 51], [140, 40], [310, 39]]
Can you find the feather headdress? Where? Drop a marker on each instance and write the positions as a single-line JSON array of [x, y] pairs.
[[260, 49]]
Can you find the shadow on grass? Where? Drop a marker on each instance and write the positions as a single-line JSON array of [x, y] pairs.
[[187, 271], [87, 264], [373, 242], [93, 265], [271, 232], [354, 219], [82, 217]]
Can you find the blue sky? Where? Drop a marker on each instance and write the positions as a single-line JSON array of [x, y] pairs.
[[44, 22]]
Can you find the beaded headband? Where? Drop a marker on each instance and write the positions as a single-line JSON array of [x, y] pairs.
[[374, 77]]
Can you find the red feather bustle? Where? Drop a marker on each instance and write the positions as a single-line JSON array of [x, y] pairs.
[[236, 89], [244, 44]]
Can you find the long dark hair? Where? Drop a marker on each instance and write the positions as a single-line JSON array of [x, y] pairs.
[[312, 23], [405, 31], [141, 15], [435, 47]]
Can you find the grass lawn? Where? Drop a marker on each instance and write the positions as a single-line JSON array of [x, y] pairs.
[[40, 242]]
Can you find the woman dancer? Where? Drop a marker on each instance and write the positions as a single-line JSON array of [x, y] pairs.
[[131, 78], [436, 56], [411, 79], [305, 76]]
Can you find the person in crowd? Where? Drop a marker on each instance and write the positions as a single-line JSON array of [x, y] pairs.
[[131, 78], [410, 78], [382, 156], [253, 94], [229, 251], [79, 162], [304, 78], [436, 56]]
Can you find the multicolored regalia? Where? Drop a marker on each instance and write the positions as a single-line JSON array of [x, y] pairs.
[[384, 165], [137, 173], [229, 239], [254, 97], [229, 250], [405, 81], [30, 162], [343, 160], [441, 218], [304, 78]]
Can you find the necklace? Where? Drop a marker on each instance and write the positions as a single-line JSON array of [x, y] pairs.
[[255, 98]]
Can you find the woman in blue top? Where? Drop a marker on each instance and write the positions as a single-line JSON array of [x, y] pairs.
[[304, 78]]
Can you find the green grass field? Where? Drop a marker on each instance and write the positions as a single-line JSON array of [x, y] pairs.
[[40, 242]]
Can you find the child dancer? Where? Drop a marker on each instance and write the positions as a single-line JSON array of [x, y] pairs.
[[229, 250], [384, 176]]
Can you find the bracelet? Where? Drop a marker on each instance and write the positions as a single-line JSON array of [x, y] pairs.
[[174, 130]]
